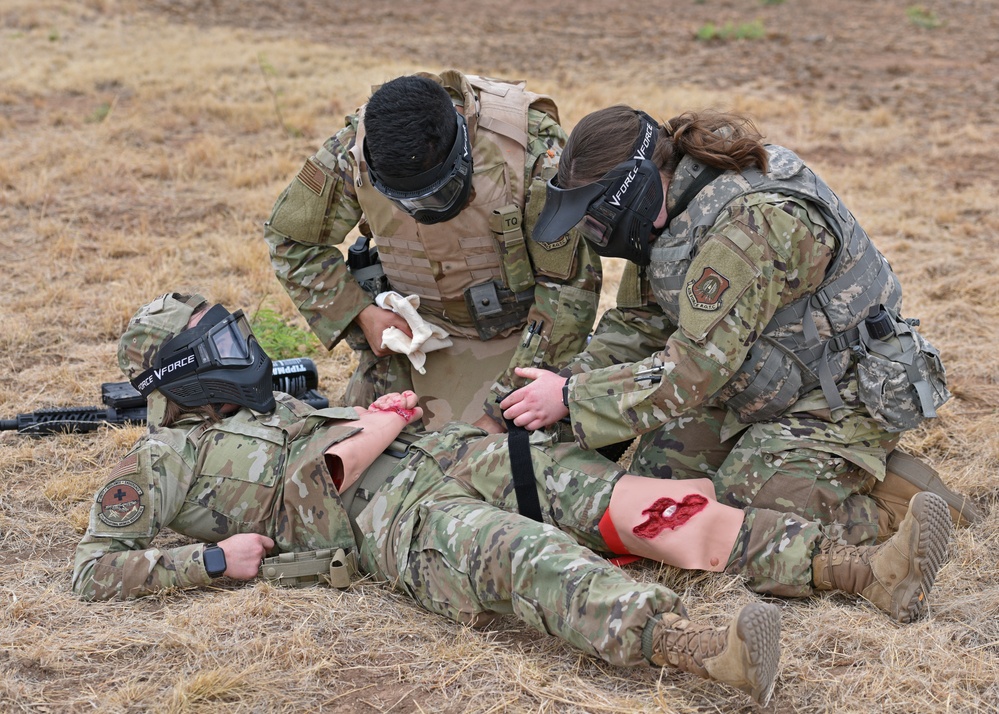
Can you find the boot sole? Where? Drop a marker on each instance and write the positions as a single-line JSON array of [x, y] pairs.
[[758, 627], [928, 552]]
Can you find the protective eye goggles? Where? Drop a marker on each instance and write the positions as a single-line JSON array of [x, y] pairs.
[[613, 209], [437, 194], [220, 339]]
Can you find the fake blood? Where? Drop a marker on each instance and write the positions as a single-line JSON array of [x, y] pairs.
[[665, 513], [406, 414]]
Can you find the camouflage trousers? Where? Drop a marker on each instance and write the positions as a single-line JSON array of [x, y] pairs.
[[445, 529], [799, 464]]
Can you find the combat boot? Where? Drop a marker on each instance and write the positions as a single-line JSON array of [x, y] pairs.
[[743, 654], [896, 575], [906, 476]]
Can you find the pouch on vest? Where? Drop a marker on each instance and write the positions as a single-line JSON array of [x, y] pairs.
[[506, 226], [309, 568], [494, 309], [902, 380]]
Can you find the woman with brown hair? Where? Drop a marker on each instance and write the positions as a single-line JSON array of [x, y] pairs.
[[758, 337]]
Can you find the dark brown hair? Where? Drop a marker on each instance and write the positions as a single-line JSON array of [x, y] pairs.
[[604, 138]]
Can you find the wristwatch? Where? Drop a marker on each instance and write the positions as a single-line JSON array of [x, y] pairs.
[[565, 393], [214, 558]]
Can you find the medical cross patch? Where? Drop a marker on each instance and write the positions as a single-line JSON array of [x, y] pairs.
[[705, 293], [121, 503]]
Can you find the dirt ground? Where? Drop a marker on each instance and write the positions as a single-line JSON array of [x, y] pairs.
[[866, 55], [142, 143]]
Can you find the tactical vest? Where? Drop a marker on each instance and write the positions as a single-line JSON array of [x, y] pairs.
[[441, 262], [811, 341]]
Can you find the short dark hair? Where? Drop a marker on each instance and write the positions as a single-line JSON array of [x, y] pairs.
[[409, 126]]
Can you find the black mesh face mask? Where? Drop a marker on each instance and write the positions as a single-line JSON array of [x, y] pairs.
[[436, 195], [218, 361], [615, 214]]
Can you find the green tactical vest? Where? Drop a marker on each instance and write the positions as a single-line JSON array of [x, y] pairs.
[[814, 340]]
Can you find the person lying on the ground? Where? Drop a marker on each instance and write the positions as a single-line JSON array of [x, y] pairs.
[[249, 473]]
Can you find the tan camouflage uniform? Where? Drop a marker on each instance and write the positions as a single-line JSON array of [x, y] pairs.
[[332, 195], [669, 380], [443, 528]]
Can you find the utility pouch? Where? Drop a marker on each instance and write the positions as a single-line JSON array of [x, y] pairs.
[[494, 309], [902, 380], [310, 568], [506, 225]]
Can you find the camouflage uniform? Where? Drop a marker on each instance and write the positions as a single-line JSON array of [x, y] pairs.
[[515, 137], [443, 528], [669, 364]]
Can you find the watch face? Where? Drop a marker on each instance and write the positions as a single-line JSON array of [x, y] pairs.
[[214, 561]]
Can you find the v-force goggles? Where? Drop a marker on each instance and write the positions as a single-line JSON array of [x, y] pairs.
[[218, 361], [616, 213], [438, 194]]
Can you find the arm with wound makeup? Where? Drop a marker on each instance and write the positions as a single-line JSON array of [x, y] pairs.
[[380, 424]]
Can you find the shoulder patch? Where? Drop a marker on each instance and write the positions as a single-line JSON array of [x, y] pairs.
[[705, 293], [313, 177], [717, 278], [120, 501]]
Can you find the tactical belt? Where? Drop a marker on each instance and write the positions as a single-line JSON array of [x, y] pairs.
[[335, 567], [308, 568]]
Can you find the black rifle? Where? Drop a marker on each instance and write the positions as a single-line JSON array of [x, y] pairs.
[[124, 405]]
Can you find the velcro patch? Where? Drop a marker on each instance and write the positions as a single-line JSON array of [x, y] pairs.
[[717, 278], [313, 177]]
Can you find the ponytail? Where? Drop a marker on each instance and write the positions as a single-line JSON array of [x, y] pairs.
[[730, 142]]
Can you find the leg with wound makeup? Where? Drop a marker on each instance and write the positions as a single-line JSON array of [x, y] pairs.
[[779, 553]]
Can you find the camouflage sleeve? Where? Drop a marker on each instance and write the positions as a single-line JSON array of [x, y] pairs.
[[144, 494], [623, 335], [310, 219], [758, 258], [567, 276]]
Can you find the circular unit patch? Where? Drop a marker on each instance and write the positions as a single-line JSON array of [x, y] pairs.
[[121, 503]]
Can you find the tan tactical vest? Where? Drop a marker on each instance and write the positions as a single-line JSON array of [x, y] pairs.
[[439, 262]]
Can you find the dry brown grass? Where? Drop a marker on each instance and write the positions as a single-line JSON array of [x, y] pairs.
[[140, 152]]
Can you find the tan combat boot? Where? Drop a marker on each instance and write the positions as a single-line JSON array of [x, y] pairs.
[[897, 575], [743, 654], [906, 476]]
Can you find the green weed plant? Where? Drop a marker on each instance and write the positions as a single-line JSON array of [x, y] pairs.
[[281, 340], [709, 31]]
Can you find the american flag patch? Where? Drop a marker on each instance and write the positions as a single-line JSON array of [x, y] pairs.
[[125, 468], [313, 177]]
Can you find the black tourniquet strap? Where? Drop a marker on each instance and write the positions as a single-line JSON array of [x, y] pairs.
[[524, 486]]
